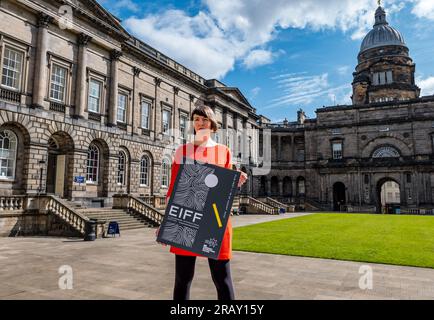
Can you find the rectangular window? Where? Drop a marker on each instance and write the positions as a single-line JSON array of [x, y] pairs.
[[122, 108], [166, 121], [382, 77], [300, 155], [146, 107], [375, 79], [58, 83], [12, 68], [397, 197], [389, 77], [183, 127], [95, 88], [337, 150]]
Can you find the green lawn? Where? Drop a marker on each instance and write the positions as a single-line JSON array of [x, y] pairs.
[[391, 239]]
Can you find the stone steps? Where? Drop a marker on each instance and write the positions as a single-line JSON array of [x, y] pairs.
[[123, 218]]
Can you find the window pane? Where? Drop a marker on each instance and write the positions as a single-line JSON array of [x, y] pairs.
[[92, 164], [182, 127], [58, 83], [12, 68], [382, 77], [8, 143], [145, 115], [389, 77], [166, 121], [94, 95], [144, 165], [122, 108]]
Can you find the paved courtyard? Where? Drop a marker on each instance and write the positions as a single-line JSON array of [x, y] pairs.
[[134, 266]]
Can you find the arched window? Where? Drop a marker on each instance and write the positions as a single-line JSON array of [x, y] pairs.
[[92, 164], [301, 186], [165, 171], [385, 152], [8, 154], [144, 171], [122, 168]]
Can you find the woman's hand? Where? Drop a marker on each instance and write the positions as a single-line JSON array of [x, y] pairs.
[[243, 179], [156, 235]]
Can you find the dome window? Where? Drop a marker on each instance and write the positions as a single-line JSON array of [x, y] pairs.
[[382, 78]]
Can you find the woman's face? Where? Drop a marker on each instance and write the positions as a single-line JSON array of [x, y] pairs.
[[202, 126]]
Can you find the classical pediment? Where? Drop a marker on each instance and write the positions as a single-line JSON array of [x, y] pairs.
[[236, 94], [95, 12]]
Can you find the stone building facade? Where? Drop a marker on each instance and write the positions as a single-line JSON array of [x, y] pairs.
[[342, 159], [87, 110]]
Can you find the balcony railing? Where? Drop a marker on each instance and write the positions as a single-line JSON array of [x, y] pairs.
[[10, 95], [94, 116], [58, 107]]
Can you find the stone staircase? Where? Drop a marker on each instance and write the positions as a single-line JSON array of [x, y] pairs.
[[125, 220]]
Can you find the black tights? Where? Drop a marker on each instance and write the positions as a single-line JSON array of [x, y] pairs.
[[220, 272]]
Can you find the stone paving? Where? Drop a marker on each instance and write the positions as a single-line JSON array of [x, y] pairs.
[[134, 266]]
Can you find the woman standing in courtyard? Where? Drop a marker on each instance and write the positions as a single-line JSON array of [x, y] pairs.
[[204, 149]]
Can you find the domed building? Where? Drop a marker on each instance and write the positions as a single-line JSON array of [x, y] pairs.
[[385, 70], [374, 155]]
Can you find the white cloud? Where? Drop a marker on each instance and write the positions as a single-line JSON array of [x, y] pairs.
[[257, 58], [426, 86], [343, 70], [424, 9], [254, 92], [302, 89], [117, 6], [227, 31]]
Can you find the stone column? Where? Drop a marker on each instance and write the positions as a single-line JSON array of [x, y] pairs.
[[157, 111], [268, 191], [279, 147], [225, 125], [175, 122], [135, 127], [114, 57], [245, 156], [80, 87], [40, 74]]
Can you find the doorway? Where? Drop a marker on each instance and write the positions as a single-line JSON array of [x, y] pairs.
[[389, 196], [339, 198], [60, 146]]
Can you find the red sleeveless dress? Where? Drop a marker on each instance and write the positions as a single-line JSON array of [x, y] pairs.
[[219, 155]]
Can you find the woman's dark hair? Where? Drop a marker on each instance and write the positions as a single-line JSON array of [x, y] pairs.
[[207, 112]]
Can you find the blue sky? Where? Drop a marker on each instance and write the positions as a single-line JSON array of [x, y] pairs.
[[283, 54]]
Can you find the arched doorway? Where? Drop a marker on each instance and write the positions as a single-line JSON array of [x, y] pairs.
[[59, 175], [287, 187], [339, 198], [301, 187], [388, 196]]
